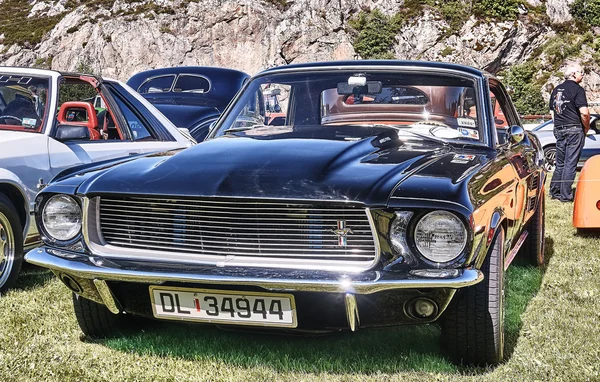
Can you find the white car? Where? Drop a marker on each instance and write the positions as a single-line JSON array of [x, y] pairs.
[[46, 126]]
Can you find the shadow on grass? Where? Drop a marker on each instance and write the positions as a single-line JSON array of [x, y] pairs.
[[32, 277], [523, 283], [368, 351]]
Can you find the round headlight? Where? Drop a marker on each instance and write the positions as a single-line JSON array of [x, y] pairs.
[[440, 236], [61, 217]]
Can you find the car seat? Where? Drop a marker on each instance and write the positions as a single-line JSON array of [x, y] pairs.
[[91, 123]]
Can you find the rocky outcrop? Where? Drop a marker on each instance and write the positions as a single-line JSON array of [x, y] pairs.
[[558, 10], [253, 35]]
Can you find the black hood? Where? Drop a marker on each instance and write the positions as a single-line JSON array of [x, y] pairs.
[[289, 167]]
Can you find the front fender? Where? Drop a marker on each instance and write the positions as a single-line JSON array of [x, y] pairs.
[[10, 180]]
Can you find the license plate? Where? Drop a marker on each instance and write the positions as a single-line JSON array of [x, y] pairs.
[[217, 306]]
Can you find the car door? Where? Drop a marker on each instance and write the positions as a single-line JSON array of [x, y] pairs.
[[522, 157], [129, 129], [592, 141]]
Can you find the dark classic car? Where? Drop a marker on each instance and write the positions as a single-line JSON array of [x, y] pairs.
[[192, 97], [591, 147], [384, 198]]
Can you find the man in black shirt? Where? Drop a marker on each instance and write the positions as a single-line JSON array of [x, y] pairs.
[[569, 108]]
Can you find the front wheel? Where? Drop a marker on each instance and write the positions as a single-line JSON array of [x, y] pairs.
[[11, 244], [96, 321], [473, 324], [550, 158]]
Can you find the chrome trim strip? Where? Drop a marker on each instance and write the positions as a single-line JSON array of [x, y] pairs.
[[107, 296], [330, 221], [352, 311], [429, 200], [244, 199], [375, 237], [288, 236], [92, 268], [513, 252]]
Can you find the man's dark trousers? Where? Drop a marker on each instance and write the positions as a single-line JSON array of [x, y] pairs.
[[569, 142]]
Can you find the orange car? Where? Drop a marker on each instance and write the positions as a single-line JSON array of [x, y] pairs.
[[586, 209]]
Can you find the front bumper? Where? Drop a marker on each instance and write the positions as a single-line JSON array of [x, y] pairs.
[[97, 278]]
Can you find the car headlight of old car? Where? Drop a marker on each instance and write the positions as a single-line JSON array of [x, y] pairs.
[[440, 236], [61, 217]]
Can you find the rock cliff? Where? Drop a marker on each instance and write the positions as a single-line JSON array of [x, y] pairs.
[[119, 38]]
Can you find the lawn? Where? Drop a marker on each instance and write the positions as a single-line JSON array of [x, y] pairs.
[[553, 334]]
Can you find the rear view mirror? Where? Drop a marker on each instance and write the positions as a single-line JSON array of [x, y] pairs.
[[72, 132], [370, 87]]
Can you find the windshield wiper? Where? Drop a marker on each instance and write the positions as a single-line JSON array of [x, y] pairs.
[[241, 128]]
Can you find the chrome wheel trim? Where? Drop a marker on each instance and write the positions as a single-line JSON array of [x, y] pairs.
[[7, 249], [550, 159]]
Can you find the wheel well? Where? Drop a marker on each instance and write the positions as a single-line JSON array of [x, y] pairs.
[[17, 199]]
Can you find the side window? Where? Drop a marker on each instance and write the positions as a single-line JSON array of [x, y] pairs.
[[157, 84], [503, 114], [188, 83], [138, 129]]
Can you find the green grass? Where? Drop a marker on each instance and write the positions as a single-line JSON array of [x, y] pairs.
[[552, 323]]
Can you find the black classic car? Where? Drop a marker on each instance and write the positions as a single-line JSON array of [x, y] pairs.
[[384, 198], [191, 97]]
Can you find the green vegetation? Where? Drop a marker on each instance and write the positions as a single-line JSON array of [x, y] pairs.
[[79, 91], [376, 34], [446, 51], [586, 13], [281, 4], [526, 88], [18, 29], [497, 9], [552, 323]]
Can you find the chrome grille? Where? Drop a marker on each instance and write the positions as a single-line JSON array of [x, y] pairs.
[[274, 230]]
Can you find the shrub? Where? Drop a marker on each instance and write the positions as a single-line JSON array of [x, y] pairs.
[[586, 12], [527, 94], [497, 9], [376, 34]]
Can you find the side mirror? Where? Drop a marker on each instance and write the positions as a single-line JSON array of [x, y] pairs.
[[516, 134], [72, 133]]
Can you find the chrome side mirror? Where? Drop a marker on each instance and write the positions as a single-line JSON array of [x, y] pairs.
[[516, 134]]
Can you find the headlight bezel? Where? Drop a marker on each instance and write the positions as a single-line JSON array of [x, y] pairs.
[[417, 215], [43, 230]]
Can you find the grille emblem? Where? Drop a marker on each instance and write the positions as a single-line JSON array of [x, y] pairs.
[[342, 232]]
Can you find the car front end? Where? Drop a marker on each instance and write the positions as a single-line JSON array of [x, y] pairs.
[[312, 265]]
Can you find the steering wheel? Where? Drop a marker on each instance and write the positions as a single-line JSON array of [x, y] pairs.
[[11, 117]]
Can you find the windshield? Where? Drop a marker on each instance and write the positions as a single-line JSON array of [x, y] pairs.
[[442, 106], [23, 102]]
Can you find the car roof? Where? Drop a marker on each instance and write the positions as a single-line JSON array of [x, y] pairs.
[[378, 64], [209, 71]]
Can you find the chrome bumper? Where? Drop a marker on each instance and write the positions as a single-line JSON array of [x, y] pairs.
[[95, 268]]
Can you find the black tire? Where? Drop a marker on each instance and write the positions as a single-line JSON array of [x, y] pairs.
[[550, 158], [96, 321], [533, 248], [473, 324], [11, 244]]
